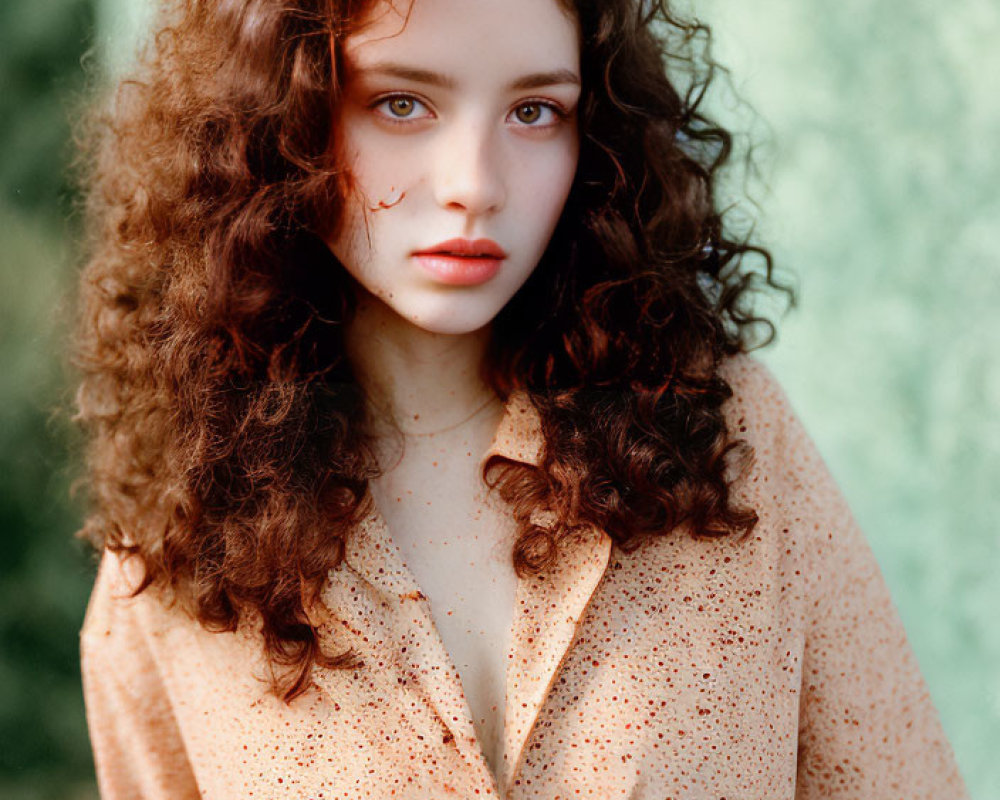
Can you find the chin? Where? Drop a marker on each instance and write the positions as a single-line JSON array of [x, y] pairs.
[[450, 318]]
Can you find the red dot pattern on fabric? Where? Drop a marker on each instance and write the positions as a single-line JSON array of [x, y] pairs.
[[776, 667]]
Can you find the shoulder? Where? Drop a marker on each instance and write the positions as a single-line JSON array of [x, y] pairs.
[[121, 620], [759, 403], [787, 466], [118, 621], [805, 522], [144, 637]]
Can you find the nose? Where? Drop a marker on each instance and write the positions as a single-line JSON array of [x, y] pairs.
[[469, 173]]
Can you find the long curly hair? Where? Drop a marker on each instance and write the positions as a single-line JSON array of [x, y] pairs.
[[226, 438]]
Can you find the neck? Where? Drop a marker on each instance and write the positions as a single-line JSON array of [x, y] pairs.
[[417, 381]]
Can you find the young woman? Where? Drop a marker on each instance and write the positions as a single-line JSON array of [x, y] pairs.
[[425, 453]]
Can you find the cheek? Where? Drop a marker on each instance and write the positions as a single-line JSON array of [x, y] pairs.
[[377, 164], [546, 182], [377, 177]]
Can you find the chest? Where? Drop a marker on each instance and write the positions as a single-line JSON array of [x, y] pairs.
[[609, 667], [457, 544]]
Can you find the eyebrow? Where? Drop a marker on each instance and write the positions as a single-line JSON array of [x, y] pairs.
[[534, 80]]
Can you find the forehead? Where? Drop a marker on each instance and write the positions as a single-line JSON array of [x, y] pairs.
[[468, 37]]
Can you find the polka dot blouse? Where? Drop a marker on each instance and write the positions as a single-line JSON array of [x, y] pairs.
[[773, 667]]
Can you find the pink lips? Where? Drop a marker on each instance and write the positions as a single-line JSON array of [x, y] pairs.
[[462, 262]]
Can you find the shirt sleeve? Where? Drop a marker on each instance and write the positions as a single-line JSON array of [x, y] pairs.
[[138, 748], [867, 725]]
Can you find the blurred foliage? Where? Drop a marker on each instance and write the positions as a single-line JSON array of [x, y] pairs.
[[41, 47], [45, 575]]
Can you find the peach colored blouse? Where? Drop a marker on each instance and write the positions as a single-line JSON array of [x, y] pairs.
[[773, 668]]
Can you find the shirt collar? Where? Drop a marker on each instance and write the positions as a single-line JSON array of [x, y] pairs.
[[369, 593], [370, 550], [519, 435]]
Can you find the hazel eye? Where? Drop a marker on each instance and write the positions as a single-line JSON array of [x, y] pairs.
[[537, 114], [399, 107], [529, 113]]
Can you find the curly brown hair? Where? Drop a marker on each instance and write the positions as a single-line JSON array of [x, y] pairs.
[[227, 445]]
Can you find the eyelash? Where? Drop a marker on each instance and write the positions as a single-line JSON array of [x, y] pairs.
[[559, 113]]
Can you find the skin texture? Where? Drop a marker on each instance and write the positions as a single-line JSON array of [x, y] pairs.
[[474, 159], [468, 160], [430, 163]]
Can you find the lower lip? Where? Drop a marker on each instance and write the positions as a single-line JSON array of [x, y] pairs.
[[459, 270]]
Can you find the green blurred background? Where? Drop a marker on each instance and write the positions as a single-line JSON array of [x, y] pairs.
[[878, 126]]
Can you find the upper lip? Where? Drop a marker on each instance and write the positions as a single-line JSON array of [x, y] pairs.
[[466, 247]]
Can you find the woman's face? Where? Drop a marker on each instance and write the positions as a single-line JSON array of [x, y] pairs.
[[458, 128]]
